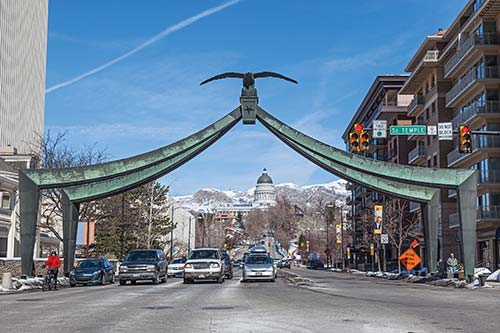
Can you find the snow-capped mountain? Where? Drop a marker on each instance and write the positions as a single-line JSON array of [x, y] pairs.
[[208, 199]]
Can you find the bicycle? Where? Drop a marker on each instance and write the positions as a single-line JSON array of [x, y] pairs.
[[48, 280]]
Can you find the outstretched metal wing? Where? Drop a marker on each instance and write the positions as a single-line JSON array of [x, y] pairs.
[[272, 74], [224, 76]]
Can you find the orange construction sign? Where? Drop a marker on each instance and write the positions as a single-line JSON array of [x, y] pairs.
[[410, 259]]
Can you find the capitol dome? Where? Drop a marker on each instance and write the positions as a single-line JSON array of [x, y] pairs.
[[264, 178], [264, 195]]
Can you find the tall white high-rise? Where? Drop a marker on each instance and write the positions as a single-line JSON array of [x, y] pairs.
[[23, 49]]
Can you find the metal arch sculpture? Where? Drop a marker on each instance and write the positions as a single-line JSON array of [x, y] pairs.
[[97, 181]]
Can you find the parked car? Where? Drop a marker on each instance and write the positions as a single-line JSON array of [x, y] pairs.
[[228, 266], [284, 263], [258, 249], [259, 266], [176, 267], [143, 265], [92, 271], [315, 264], [204, 263]]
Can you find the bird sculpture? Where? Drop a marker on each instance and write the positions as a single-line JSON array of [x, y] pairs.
[[248, 79]]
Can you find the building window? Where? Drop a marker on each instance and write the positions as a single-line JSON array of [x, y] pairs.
[[6, 200]]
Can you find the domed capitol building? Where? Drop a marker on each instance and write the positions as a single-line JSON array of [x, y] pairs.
[[264, 195]]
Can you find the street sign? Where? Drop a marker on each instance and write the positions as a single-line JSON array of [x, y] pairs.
[[379, 129], [414, 244], [410, 259], [445, 131], [384, 239], [408, 130], [432, 130]]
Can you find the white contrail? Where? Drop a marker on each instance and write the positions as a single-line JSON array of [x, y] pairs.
[[150, 41]]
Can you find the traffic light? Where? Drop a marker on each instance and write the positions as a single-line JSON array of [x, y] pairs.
[[354, 138], [364, 141], [465, 139]]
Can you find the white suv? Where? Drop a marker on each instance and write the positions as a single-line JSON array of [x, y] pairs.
[[204, 263]]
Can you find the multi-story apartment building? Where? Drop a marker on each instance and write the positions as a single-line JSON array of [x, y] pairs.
[[428, 107], [23, 44], [456, 78], [471, 62], [382, 102]]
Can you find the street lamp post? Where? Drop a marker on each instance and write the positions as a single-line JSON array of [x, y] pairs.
[[342, 235], [328, 256]]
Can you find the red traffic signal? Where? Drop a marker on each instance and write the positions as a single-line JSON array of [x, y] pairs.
[[358, 128]]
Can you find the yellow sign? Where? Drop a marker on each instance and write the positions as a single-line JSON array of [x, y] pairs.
[[410, 259], [377, 219], [338, 228], [372, 250], [348, 253]]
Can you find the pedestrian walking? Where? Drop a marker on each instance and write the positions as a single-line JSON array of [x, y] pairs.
[[452, 263]]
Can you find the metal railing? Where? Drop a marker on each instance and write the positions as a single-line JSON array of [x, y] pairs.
[[478, 38], [417, 101], [488, 212], [454, 220], [478, 142], [431, 55], [415, 153], [471, 111], [475, 73]]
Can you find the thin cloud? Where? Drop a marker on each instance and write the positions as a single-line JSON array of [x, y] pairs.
[[150, 41]]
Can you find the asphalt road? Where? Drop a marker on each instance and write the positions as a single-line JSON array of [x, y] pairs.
[[337, 303]]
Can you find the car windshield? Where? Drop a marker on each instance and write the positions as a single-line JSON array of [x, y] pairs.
[[89, 264], [178, 261], [258, 260], [141, 255], [204, 254]]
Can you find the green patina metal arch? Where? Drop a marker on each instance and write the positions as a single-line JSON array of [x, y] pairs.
[[96, 181]]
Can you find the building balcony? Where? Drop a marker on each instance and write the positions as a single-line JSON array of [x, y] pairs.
[[416, 105], [417, 155], [491, 108], [454, 220], [475, 42], [479, 143], [487, 213], [470, 79], [421, 71], [490, 177]]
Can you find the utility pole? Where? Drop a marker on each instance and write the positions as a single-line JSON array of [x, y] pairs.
[[172, 234], [189, 235], [150, 224], [342, 235], [122, 228]]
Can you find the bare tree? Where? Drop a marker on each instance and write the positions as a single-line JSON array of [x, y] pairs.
[[54, 153], [400, 225]]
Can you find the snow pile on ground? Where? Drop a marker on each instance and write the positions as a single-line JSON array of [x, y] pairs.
[[481, 271], [33, 283], [494, 277]]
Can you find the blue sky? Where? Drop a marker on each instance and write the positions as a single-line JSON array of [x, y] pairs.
[[152, 98]]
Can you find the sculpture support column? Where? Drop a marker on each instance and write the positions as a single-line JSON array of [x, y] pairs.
[[432, 218], [70, 229], [467, 196], [29, 196]]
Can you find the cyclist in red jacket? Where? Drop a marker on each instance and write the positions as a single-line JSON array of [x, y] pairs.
[[53, 263]]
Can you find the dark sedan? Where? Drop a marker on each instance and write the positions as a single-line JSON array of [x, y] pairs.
[[92, 271]]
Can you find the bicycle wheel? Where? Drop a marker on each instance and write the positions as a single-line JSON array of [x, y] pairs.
[[45, 284]]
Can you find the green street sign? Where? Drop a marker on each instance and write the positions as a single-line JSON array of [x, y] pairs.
[[408, 130]]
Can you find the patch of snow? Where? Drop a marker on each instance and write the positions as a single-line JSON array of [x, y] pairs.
[[494, 277]]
